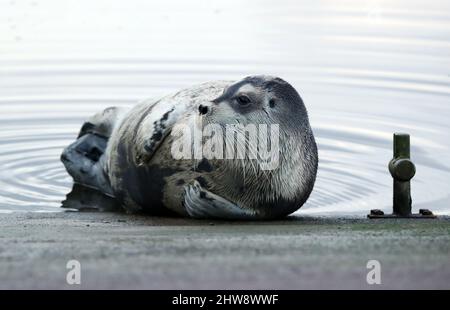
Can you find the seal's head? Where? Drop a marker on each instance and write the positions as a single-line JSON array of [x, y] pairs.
[[285, 174], [258, 100]]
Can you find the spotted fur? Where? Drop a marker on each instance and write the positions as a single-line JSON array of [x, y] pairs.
[[137, 168]]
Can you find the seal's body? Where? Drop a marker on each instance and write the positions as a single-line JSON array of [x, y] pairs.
[[129, 155]]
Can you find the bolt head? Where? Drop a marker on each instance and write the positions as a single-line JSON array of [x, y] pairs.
[[376, 212], [402, 169], [425, 212]]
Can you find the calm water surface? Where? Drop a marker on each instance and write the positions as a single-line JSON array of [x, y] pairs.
[[365, 69]]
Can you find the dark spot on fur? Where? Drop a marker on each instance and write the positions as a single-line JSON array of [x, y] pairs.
[[204, 166], [202, 109], [202, 194], [180, 182], [157, 136], [143, 116], [202, 181], [272, 103], [158, 132], [166, 115]]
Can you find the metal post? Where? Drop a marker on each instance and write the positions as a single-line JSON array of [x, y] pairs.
[[402, 170]]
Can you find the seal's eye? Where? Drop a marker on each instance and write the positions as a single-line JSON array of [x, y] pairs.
[[243, 100]]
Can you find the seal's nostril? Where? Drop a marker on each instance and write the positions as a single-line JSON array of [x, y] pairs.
[[202, 109]]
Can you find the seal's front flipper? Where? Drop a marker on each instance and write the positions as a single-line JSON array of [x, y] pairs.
[[83, 160], [200, 203]]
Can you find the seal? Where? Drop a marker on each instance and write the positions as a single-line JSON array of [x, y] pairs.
[[149, 158]]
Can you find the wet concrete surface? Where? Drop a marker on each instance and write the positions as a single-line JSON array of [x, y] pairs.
[[119, 251]]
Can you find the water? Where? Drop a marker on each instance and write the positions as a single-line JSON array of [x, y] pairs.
[[365, 69]]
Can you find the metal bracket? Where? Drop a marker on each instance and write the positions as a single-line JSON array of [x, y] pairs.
[[423, 214], [402, 170]]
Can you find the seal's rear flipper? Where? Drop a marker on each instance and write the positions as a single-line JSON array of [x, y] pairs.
[[200, 203], [84, 161], [84, 158]]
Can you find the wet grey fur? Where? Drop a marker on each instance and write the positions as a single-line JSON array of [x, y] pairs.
[[137, 168]]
